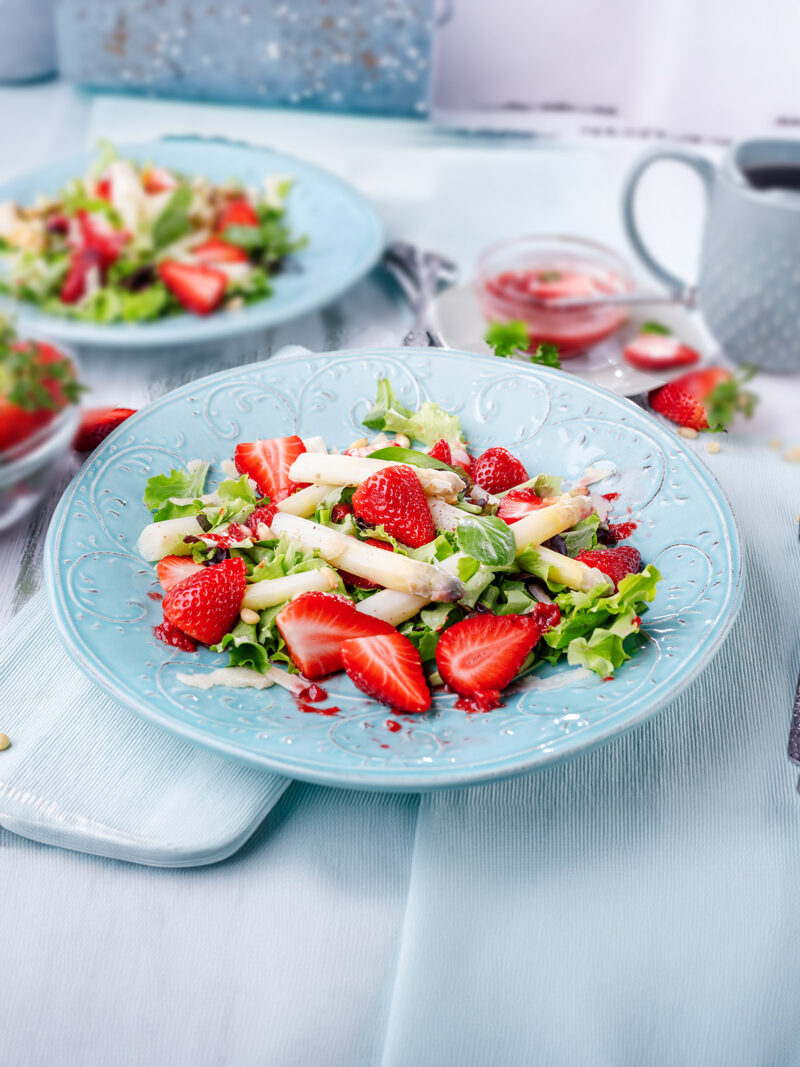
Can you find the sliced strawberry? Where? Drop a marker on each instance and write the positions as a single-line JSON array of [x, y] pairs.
[[616, 562], [316, 625], [441, 451], [497, 470], [387, 668], [261, 516], [353, 579], [158, 180], [268, 462], [517, 504], [658, 351], [96, 424], [394, 499], [199, 288], [172, 570], [206, 605], [480, 655], [215, 250], [238, 213], [81, 263]]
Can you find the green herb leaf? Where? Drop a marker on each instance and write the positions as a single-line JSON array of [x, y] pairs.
[[728, 399], [412, 457], [546, 356], [173, 222], [655, 327], [506, 338], [487, 539]]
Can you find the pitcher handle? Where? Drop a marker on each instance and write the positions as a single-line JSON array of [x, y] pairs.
[[702, 167]]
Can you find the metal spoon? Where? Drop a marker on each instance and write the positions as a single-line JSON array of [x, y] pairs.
[[421, 275]]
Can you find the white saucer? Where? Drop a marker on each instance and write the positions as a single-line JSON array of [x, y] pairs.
[[460, 321]]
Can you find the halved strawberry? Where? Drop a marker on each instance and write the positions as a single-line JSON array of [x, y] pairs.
[[441, 451], [394, 499], [158, 180], [96, 424], [703, 399], [658, 351], [316, 625], [616, 562], [353, 579], [267, 462], [387, 668], [215, 250], [238, 213], [480, 655], [517, 504], [97, 233], [497, 470], [339, 512], [172, 570], [206, 605], [199, 288]]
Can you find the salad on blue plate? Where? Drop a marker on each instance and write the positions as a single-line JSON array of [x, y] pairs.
[[402, 560], [134, 242]]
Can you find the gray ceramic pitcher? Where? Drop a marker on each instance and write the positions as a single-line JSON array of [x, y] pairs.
[[749, 284]]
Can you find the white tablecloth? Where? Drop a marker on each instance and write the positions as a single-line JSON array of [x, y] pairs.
[[289, 952]]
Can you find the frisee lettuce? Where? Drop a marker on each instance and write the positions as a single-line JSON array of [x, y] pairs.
[[428, 425]]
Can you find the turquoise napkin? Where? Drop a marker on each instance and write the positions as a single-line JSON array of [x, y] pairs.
[[640, 905]]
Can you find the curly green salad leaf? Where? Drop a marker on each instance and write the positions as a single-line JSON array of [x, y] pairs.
[[428, 425], [161, 488]]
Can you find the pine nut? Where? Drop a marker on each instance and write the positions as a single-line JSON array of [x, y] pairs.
[[360, 443], [792, 455], [776, 444], [687, 431], [402, 440], [252, 618], [5, 742], [712, 446]]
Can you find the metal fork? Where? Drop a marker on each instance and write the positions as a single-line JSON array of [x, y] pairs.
[[421, 275]]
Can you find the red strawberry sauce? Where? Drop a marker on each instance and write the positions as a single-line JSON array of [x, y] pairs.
[[155, 596], [309, 708], [611, 497], [393, 726], [621, 530], [171, 635], [313, 694], [480, 702]]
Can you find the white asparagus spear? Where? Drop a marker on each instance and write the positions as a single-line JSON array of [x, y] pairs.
[[271, 591], [571, 572], [388, 569], [352, 470], [166, 538], [445, 516], [545, 523], [395, 607], [305, 501]]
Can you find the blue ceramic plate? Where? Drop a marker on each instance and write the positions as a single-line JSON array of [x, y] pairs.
[[344, 241], [99, 587]]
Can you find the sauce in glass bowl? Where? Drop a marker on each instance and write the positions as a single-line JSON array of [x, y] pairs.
[[518, 279]]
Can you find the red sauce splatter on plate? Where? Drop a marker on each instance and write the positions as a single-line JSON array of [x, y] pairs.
[[611, 497], [156, 596], [621, 530], [393, 726], [174, 637], [480, 702], [313, 694]]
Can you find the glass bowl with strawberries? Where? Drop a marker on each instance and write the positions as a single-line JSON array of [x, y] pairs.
[[39, 394], [525, 279]]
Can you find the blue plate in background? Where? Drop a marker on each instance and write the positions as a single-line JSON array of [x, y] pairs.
[[344, 241], [100, 589]]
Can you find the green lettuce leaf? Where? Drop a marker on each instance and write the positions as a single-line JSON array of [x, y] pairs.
[[173, 222], [529, 560], [178, 483], [582, 536], [245, 648], [604, 650], [428, 425]]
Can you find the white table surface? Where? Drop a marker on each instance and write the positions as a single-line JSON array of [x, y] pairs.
[[284, 954]]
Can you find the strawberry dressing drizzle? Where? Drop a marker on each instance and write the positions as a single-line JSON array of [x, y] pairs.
[[155, 596], [622, 530], [393, 726], [174, 637], [480, 702], [313, 694], [611, 497]]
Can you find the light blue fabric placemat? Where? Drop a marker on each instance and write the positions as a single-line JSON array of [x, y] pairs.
[[640, 905]]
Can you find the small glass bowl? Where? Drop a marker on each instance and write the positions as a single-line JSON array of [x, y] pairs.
[[27, 469], [514, 282]]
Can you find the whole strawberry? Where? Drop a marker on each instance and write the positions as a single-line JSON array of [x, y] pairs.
[[617, 562], [36, 382], [393, 498], [96, 424], [705, 399], [205, 605], [497, 470]]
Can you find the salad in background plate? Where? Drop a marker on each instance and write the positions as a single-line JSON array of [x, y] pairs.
[[134, 242], [407, 567]]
